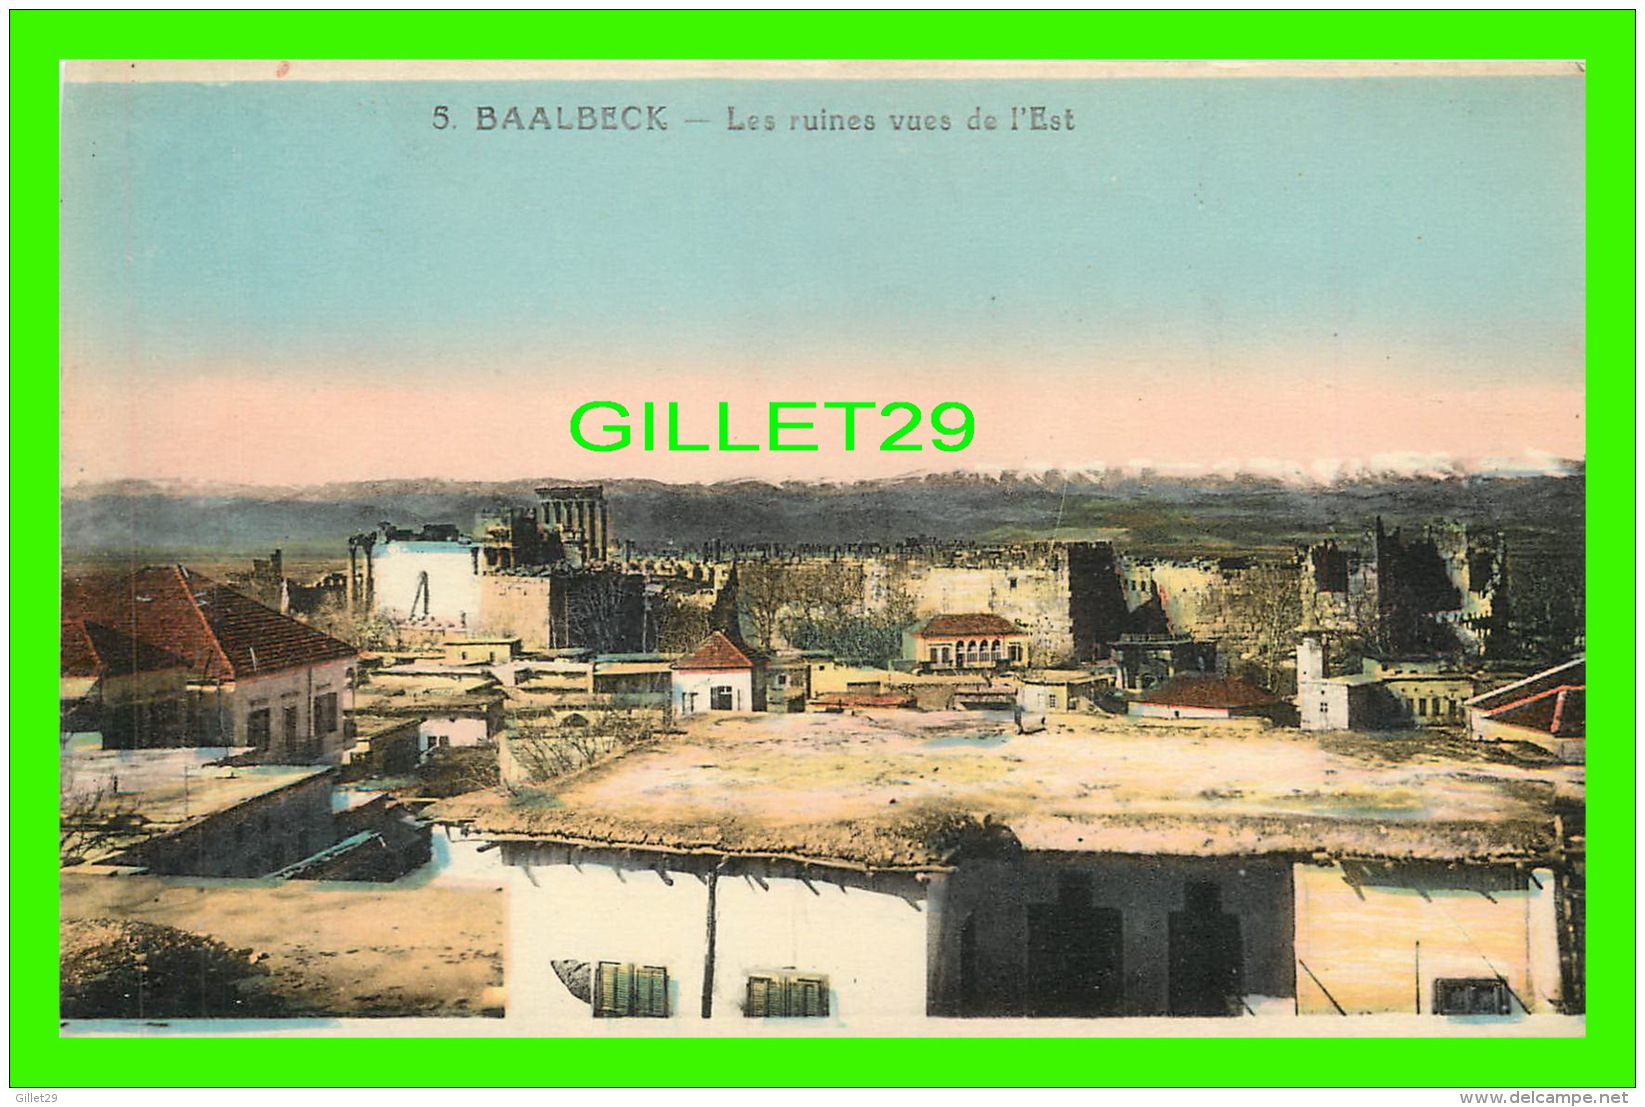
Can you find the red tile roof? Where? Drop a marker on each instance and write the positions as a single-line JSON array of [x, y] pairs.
[[1571, 673], [218, 633], [95, 650], [78, 655], [716, 652], [1206, 691], [943, 626], [1559, 712]]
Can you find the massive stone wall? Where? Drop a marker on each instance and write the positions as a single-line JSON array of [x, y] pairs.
[[517, 607]]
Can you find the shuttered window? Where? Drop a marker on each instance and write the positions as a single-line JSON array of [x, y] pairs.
[[780, 996], [630, 991], [1471, 996], [325, 713]]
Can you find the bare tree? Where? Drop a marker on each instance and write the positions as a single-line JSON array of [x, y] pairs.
[[830, 612], [601, 613], [765, 591], [681, 624], [90, 817], [827, 592], [361, 629], [1274, 602]]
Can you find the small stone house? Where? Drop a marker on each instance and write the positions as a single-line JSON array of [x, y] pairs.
[[718, 675]]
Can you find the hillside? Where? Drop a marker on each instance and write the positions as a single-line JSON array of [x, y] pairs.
[[1142, 513]]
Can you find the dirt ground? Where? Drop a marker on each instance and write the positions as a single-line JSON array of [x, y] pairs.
[[805, 767], [796, 783], [331, 950]]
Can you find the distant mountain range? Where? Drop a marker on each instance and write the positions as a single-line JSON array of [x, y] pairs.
[[1144, 511]]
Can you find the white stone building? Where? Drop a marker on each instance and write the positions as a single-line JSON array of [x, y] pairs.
[[717, 676]]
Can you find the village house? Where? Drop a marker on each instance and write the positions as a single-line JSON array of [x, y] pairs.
[[480, 651], [384, 745], [735, 872], [719, 675], [787, 681], [179, 812], [829, 677], [975, 641], [1047, 691], [1424, 691], [132, 695], [1204, 697], [632, 680], [254, 677], [837, 686], [451, 707], [1385, 694]]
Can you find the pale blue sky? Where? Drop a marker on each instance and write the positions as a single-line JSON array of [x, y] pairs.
[[301, 224]]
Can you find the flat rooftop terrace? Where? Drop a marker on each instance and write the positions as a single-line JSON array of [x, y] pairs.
[[899, 788], [171, 787]]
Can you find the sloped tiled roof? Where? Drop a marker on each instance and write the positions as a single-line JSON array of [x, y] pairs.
[[1206, 691], [94, 650], [78, 657], [1559, 712], [218, 633], [260, 639], [1571, 673], [716, 652], [944, 625]]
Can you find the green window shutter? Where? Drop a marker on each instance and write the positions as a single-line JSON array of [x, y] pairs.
[[614, 990], [651, 992], [808, 997], [759, 997], [623, 991], [785, 997], [606, 990]]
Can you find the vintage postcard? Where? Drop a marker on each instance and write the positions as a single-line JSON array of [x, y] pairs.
[[807, 548]]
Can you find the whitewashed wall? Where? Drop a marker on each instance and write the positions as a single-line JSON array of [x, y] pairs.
[[457, 731], [592, 911], [294, 688], [741, 683], [1363, 944], [578, 906], [871, 944], [453, 585]]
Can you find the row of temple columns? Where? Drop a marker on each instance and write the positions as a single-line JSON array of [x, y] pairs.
[[582, 522]]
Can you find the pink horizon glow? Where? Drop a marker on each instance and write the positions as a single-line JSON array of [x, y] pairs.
[[259, 430]]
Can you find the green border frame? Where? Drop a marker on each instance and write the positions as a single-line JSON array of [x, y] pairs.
[[1603, 39]]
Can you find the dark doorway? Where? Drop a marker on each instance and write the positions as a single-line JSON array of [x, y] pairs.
[[719, 698], [982, 993], [1206, 958], [257, 728], [1073, 954]]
